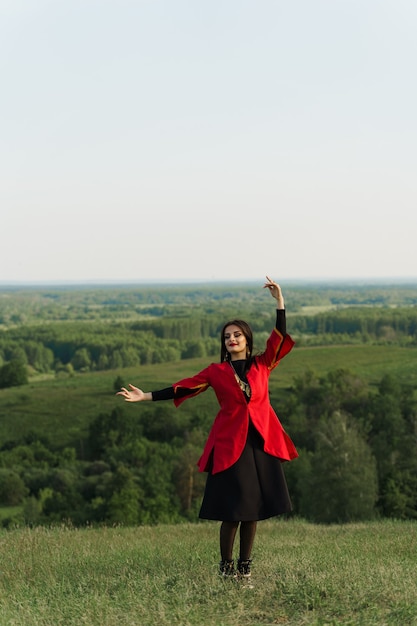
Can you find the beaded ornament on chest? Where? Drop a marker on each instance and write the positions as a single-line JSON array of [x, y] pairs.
[[242, 384]]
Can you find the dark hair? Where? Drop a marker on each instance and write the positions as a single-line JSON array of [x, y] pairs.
[[246, 330]]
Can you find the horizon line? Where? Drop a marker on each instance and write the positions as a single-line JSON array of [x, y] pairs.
[[199, 281]]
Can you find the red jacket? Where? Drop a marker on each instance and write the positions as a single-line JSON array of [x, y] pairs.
[[229, 431]]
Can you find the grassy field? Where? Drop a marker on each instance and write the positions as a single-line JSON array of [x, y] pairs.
[[358, 574]]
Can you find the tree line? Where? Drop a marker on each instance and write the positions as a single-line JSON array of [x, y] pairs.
[[389, 325], [66, 347], [34, 304]]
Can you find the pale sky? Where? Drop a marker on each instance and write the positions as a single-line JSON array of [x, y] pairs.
[[187, 140]]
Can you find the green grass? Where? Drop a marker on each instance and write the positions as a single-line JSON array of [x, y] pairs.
[[66, 406], [370, 362], [9, 511], [358, 574]]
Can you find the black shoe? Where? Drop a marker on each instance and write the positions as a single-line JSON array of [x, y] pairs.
[[227, 569], [243, 568]]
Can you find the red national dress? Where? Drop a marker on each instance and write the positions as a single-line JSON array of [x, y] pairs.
[[228, 434]]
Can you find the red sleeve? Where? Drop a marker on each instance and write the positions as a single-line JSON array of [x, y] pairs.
[[195, 384], [277, 347]]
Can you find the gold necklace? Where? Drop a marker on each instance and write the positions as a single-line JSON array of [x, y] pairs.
[[244, 386]]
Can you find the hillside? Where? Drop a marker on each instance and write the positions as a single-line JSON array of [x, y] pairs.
[[303, 574], [65, 406], [71, 450]]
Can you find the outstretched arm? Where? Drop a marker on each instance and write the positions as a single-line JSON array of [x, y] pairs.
[[137, 395]]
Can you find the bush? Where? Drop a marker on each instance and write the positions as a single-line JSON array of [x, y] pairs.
[[12, 488], [13, 374]]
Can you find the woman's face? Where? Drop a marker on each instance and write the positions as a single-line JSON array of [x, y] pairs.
[[235, 342]]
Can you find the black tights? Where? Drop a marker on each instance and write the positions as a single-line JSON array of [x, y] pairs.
[[227, 539]]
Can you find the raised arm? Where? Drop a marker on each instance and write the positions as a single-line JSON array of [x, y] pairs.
[[276, 292]]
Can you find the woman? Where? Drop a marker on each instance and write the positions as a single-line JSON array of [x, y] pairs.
[[246, 445]]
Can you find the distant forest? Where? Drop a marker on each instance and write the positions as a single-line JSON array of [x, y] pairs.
[[357, 436], [89, 329]]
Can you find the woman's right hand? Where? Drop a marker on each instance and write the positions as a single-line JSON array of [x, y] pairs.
[[133, 394], [275, 291]]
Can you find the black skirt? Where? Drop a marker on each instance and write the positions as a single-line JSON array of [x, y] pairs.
[[254, 488]]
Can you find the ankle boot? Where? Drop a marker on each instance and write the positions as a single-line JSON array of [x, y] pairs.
[[243, 568], [227, 569]]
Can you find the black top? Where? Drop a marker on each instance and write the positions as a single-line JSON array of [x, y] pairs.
[[239, 366]]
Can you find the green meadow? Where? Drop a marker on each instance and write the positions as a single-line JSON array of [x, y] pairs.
[[354, 574]]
